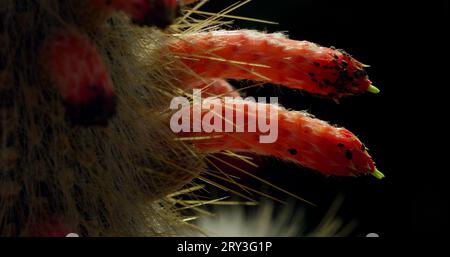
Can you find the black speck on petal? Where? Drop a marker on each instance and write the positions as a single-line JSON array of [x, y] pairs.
[[348, 154], [293, 151]]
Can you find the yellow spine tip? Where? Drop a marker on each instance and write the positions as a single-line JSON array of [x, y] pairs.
[[373, 89], [378, 174]]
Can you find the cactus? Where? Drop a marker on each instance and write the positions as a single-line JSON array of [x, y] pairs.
[[85, 88]]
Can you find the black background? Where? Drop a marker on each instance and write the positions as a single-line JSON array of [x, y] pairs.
[[404, 126]]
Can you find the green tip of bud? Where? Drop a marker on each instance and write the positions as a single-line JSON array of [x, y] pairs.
[[373, 89], [378, 174]]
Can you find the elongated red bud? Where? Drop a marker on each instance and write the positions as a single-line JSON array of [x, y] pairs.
[[273, 58], [298, 137]]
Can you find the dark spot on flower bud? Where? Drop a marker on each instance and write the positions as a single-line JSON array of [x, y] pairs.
[[293, 151], [348, 154]]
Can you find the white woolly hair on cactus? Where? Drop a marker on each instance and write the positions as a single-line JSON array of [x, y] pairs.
[[269, 220]]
